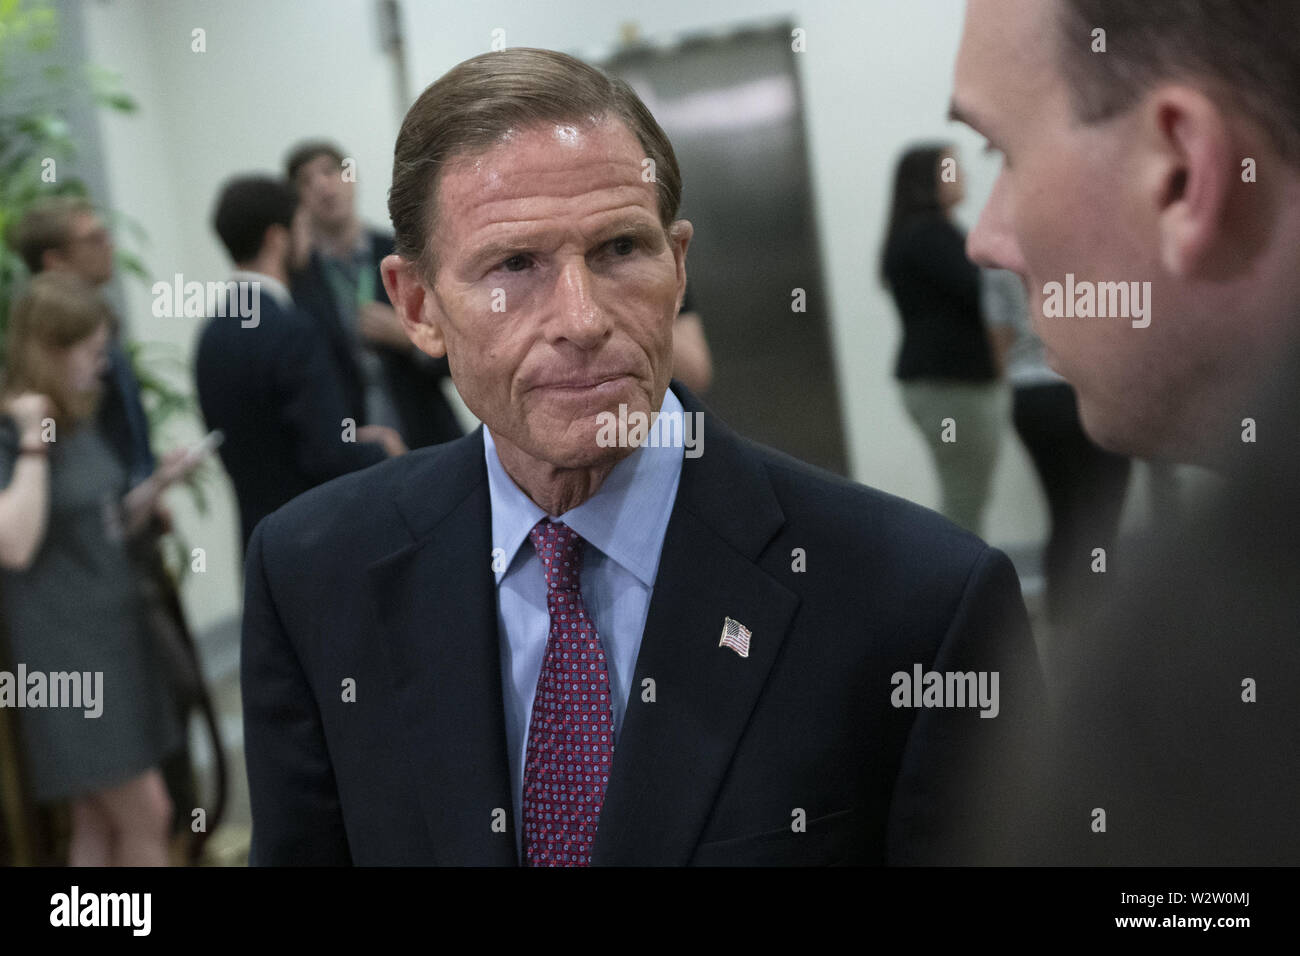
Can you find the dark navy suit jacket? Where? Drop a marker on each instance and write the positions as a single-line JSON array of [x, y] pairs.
[[273, 390], [413, 381], [381, 581]]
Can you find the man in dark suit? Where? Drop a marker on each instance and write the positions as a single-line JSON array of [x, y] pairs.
[[577, 636], [386, 380], [262, 368]]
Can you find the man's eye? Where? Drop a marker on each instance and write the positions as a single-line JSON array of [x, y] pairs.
[[516, 263], [623, 245]]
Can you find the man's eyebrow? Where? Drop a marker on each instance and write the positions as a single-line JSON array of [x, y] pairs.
[[501, 248], [646, 228]]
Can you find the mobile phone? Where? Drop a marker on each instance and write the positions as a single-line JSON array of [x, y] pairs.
[[207, 446]]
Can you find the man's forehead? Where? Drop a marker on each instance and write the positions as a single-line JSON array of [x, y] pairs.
[[321, 166], [1006, 55], [550, 169]]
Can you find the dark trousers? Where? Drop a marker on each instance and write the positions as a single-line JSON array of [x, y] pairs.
[[1085, 488]]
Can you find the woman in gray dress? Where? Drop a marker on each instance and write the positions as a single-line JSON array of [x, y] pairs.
[[70, 600]]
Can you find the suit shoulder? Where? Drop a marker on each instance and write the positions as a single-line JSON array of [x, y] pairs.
[[359, 506], [860, 515], [271, 318]]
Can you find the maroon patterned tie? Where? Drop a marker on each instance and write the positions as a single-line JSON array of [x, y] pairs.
[[571, 732]]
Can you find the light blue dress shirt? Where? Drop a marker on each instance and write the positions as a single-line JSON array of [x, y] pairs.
[[624, 525]]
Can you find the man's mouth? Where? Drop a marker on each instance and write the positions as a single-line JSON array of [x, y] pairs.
[[580, 383]]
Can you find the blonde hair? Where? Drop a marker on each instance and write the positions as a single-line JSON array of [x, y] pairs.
[[56, 311]]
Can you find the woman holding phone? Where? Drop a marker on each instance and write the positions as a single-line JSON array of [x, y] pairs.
[[70, 600]]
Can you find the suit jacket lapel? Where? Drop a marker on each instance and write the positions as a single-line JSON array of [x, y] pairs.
[[436, 601], [437, 605], [670, 756]]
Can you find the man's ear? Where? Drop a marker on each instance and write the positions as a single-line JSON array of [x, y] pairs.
[[679, 237], [420, 312], [1195, 172], [276, 241]]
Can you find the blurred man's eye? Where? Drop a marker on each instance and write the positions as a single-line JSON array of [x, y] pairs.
[[623, 245], [516, 263]]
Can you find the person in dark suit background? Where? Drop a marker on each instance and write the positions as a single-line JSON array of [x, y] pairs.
[[1172, 158], [537, 644], [266, 380], [386, 380]]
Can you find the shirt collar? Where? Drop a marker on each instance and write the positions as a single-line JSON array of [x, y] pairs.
[[274, 287], [625, 519]]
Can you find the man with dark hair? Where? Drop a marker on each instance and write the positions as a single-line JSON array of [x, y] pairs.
[[66, 234], [263, 369], [1150, 199], [386, 379], [561, 646]]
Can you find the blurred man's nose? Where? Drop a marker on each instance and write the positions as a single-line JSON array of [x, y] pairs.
[[992, 243], [577, 317]]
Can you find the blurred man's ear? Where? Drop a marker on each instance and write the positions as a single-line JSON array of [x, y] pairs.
[[277, 241], [1193, 177], [420, 311]]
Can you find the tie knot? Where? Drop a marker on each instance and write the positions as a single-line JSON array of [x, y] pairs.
[[560, 548]]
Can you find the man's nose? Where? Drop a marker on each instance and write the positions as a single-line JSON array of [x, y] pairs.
[[992, 243], [577, 316]]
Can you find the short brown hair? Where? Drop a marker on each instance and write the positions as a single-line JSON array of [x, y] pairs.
[[46, 225], [304, 153], [56, 311], [474, 103], [1246, 53]]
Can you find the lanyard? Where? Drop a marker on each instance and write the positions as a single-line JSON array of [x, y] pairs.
[[366, 283], [365, 287]]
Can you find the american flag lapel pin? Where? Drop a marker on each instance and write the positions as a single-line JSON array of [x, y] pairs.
[[735, 636]]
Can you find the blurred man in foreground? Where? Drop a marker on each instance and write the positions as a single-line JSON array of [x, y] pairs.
[[1150, 199]]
